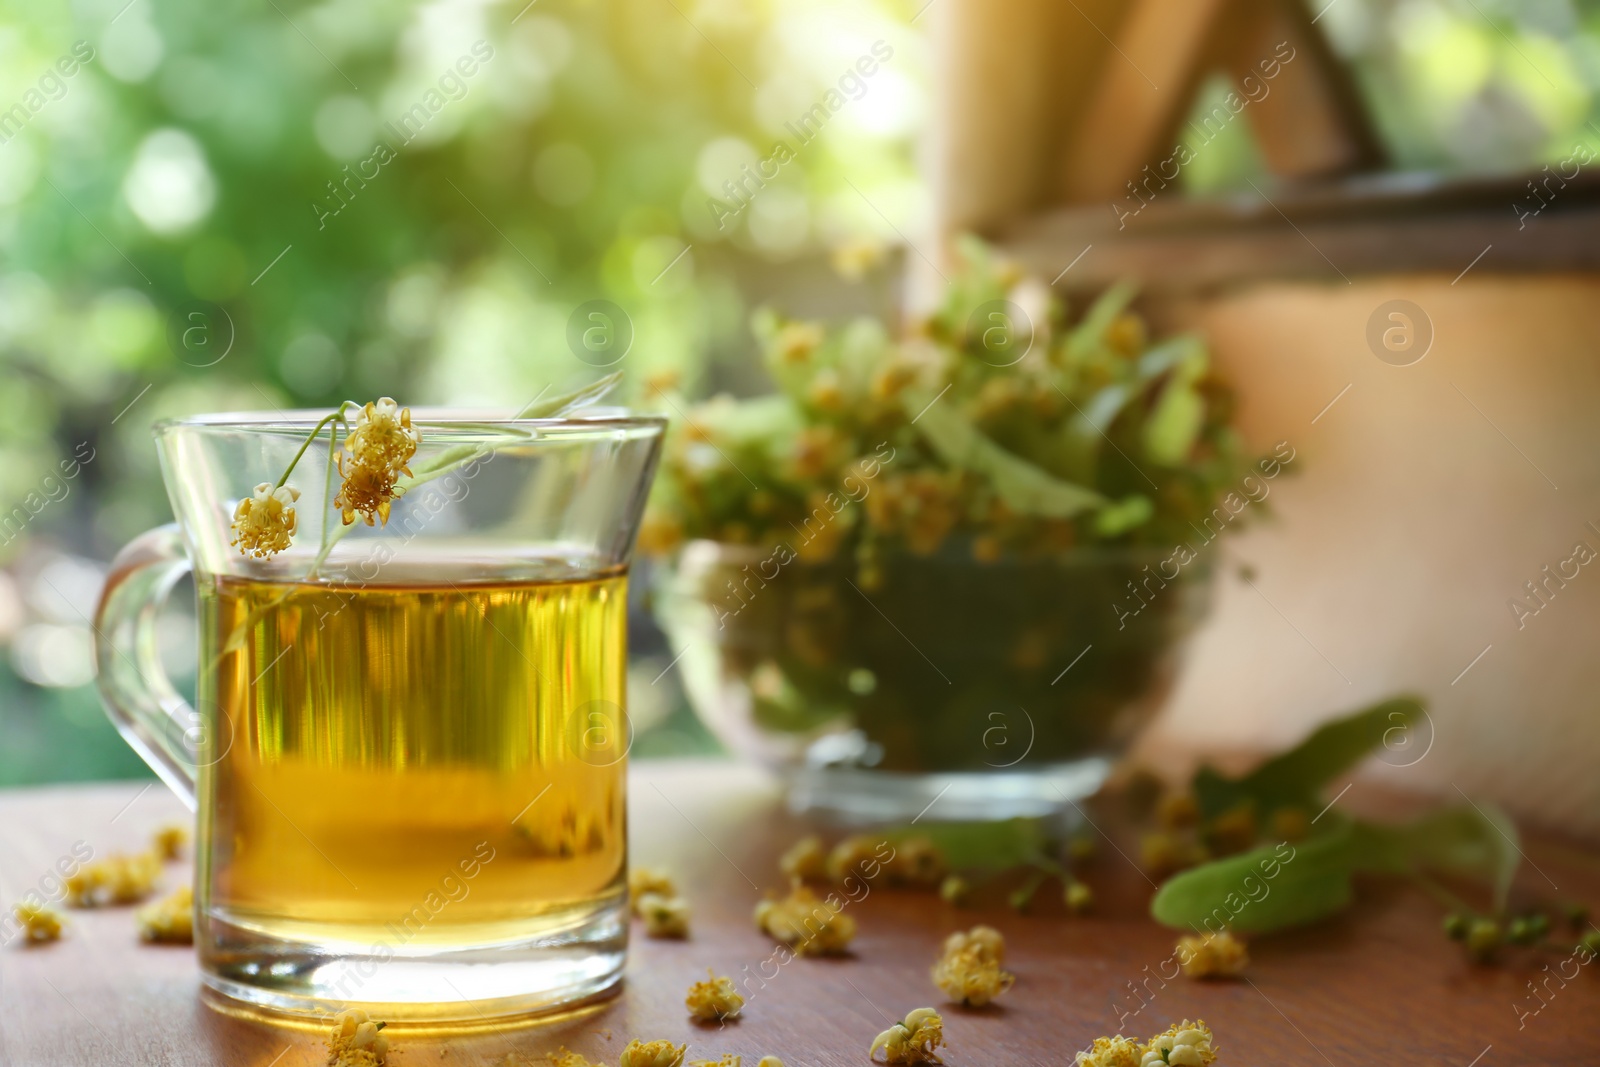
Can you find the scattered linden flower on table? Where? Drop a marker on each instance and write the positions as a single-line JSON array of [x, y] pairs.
[[988, 942], [664, 916], [912, 1040], [917, 861], [806, 860], [264, 523], [652, 1054], [858, 855], [356, 1041], [40, 923], [563, 1057], [114, 880], [169, 920], [168, 842], [967, 977], [809, 926], [1116, 1051], [1219, 955], [1183, 1044], [714, 999], [642, 880], [769, 1061]]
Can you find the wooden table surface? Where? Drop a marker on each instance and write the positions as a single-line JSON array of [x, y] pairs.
[[1379, 986]]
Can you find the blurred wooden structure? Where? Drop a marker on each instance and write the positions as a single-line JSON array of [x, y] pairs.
[[1429, 494]]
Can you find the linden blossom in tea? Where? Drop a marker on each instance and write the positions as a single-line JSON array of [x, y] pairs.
[[409, 751]]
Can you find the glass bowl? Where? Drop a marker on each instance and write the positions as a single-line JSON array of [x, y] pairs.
[[992, 689]]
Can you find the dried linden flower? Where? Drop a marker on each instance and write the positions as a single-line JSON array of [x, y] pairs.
[[652, 1054], [264, 523], [356, 1042], [1177, 811], [810, 926], [917, 861], [169, 920], [169, 841], [805, 860], [988, 942], [563, 1057], [770, 1061], [913, 1040], [1111, 1052], [1183, 1044], [40, 923], [858, 855], [664, 916], [1219, 955], [114, 880], [714, 999], [376, 453], [969, 977], [642, 880], [1167, 853]]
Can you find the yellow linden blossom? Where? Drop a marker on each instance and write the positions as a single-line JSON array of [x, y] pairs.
[[169, 920], [857, 855], [797, 340], [856, 256], [376, 453], [770, 1061], [652, 1054], [642, 880], [1219, 955], [1116, 1051], [988, 942], [114, 880], [810, 926], [664, 916], [1183, 1044], [913, 1040], [968, 977], [40, 923], [805, 860], [917, 861], [356, 1042], [564, 1058], [168, 841], [264, 523], [714, 999]]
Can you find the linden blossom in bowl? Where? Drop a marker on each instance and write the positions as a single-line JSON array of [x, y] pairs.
[[959, 565]]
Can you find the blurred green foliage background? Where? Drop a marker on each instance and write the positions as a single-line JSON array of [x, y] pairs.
[[199, 161]]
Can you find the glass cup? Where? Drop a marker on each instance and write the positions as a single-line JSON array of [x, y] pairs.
[[407, 751]]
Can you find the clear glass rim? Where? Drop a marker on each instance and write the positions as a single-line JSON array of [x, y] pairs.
[[301, 420]]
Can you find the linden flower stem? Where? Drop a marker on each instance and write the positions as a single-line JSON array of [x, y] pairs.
[[337, 416]]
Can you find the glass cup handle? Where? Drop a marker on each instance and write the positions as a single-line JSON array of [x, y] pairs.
[[139, 698]]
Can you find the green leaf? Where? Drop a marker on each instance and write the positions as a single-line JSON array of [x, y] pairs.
[[1171, 430], [1090, 333], [981, 845], [1026, 488], [1298, 776], [1270, 888], [1478, 840]]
